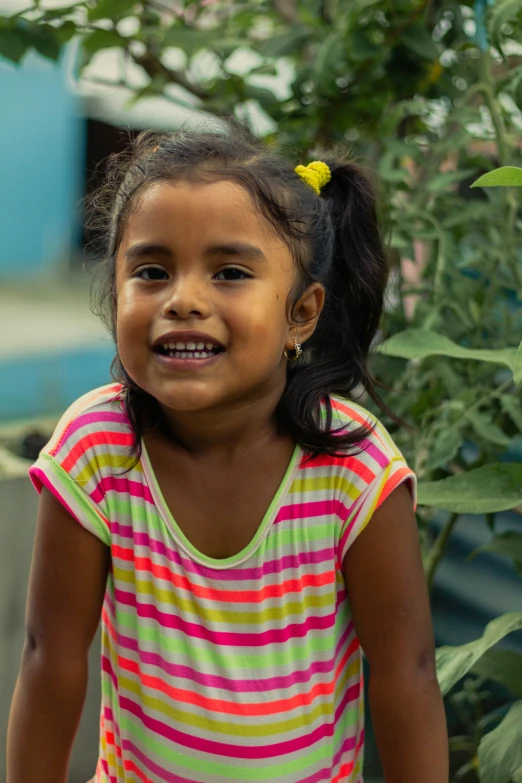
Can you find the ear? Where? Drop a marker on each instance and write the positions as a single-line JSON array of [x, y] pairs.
[[305, 314]]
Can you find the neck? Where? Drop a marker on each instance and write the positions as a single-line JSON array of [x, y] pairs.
[[230, 431]]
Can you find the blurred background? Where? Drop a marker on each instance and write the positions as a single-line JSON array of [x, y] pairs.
[[428, 94]]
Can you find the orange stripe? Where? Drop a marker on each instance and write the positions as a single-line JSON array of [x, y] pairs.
[[95, 439], [217, 706], [392, 483], [130, 766], [325, 461], [345, 770], [236, 596]]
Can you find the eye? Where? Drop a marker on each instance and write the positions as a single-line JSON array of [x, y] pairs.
[[151, 273], [232, 273]]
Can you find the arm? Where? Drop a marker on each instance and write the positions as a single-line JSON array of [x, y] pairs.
[[66, 589], [390, 607]]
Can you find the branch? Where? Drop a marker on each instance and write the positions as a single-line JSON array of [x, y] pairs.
[[287, 10], [439, 548], [154, 67]]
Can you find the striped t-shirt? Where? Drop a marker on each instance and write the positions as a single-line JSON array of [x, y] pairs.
[[218, 670]]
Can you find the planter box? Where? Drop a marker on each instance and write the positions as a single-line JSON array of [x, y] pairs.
[[19, 501]]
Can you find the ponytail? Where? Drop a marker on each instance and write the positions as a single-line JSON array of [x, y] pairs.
[[354, 278]]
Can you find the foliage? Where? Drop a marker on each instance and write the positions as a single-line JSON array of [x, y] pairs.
[[429, 93]]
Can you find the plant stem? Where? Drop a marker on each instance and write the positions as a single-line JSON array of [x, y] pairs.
[[439, 548]]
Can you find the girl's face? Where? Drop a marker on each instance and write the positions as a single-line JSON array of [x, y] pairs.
[[200, 270]]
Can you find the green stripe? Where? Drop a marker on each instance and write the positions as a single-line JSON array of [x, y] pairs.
[[78, 500], [257, 771], [205, 720], [284, 611], [168, 645]]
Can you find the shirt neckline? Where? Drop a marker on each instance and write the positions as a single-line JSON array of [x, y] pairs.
[[260, 534]]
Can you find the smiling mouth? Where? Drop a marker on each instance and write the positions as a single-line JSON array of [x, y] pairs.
[[189, 350]]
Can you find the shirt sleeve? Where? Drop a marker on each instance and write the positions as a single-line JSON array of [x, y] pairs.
[[72, 492], [396, 472]]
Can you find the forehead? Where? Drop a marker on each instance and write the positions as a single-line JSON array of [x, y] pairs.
[[201, 210]]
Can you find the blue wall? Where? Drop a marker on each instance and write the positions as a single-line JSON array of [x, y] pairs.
[[41, 148]]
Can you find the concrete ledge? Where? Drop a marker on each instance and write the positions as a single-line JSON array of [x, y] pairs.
[[19, 503]]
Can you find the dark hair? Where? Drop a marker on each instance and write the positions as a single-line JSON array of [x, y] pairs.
[[334, 239]]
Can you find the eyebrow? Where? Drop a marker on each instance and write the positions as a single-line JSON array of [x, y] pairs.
[[244, 249], [142, 249], [236, 249]]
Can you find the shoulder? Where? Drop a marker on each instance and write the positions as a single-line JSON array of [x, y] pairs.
[[375, 465], [97, 419], [378, 445]]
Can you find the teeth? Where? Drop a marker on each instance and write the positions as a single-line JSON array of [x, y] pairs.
[[188, 347], [190, 354]]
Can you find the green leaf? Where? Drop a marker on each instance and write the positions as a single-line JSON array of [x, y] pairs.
[[488, 489], [443, 181], [359, 46], [45, 40], [486, 429], [517, 366], [109, 9], [102, 39], [13, 44], [502, 13], [65, 31], [513, 407], [508, 544], [286, 43], [419, 343], [502, 177], [500, 751], [59, 13], [420, 41], [445, 448], [189, 39], [504, 667], [454, 662], [266, 98]]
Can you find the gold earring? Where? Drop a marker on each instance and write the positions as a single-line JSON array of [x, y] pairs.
[[297, 352]]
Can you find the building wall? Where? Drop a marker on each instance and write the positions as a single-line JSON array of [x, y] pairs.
[[41, 162]]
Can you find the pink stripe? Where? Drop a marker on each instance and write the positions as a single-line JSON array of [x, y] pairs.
[[107, 668], [315, 508], [225, 749], [124, 486], [161, 772], [94, 418], [232, 574], [379, 456], [105, 766], [223, 638], [39, 478], [322, 775], [327, 773], [236, 685]]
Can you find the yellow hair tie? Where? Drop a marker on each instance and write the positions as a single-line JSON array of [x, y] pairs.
[[316, 174]]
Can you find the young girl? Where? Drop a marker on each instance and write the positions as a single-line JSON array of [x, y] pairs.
[[243, 528]]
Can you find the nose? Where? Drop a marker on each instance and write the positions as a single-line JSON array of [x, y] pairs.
[[187, 296]]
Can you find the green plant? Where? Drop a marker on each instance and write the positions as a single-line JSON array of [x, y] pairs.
[[428, 92]]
